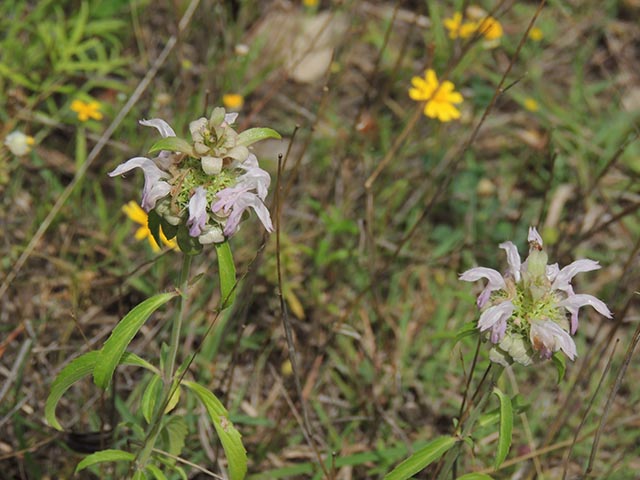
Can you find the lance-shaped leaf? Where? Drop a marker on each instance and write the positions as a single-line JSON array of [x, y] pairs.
[[174, 144], [253, 135], [229, 437], [422, 458], [77, 369], [117, 343], [506, 427], [105, 456], [227, 272]]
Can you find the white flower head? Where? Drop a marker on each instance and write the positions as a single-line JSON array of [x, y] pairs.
[[206, 184], [531, 311], [18, 143]]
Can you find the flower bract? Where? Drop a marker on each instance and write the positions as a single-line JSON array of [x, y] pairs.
[[531, 311]]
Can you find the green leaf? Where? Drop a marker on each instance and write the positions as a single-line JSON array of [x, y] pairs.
[[468, 329], [174, 433], [156, 472], [229, 437], [150, 397], [153, 222], [227, 272], [475, 476], [422, 458], [506, 427], [116, 344], [253, 135], [105, 456], [77, 369], [560, 363], [174, 144]]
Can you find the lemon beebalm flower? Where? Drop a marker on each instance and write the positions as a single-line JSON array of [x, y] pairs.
[[457, 28], [138, 215], [536, 34], [18, 143], [439, 98], [530, 104], [86, 110], [232, 101]]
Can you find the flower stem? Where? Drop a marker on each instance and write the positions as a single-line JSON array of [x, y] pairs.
[[465, 428], [169, 367]]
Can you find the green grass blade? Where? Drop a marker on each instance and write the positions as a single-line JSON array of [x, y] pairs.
[[227, 272], [506, 427], [475, 476], [229, 437], [105, 456], [116, 344], [421, 459]]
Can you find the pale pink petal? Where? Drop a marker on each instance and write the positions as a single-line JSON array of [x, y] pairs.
[[575, 301], [496, 316], [564, 276], [496, 282], [197, 212], [534, 236], [154, 188], [513, 259], [163, 127], [548, 337]]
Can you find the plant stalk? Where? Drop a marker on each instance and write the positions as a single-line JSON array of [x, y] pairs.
[[169, 366]]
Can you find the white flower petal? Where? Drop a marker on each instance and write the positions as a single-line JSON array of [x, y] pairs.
[[548, 337], [513, 259], [230, 118], [163, 127], [496, 282], [552, 272], [534, 236], [211, 165], [564, 276], [197, 212], [154, 188]]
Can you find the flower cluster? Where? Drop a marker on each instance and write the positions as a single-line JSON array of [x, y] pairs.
[[531, 311], [480, 23], [18, 143], [439, 97], [200, 189]]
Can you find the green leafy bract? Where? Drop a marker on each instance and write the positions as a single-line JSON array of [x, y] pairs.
[[173, 144], [253, 135]]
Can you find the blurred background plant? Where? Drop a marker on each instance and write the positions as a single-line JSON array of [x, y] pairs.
[[369, 272]]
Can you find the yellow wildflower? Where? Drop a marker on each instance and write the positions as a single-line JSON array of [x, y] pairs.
[[490, 28], [439, 97], [530, 104], [86, 110], [138, 215], [457, 28], [232, 101], [535, 34], [310, 3]]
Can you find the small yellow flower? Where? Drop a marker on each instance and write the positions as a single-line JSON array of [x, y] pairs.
[[536, 34], [490, 28], [86, 110], [232, 101], [530, 104], [457, 28], [310, 3], [138, 215], [439, 97]]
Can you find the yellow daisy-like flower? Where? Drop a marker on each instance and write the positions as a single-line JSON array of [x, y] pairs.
[[457, 28], [86, 111], [138, 215], [490, 28], [536, 34], [439, 98], [530, 104], [232, 101], [310, 3]]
